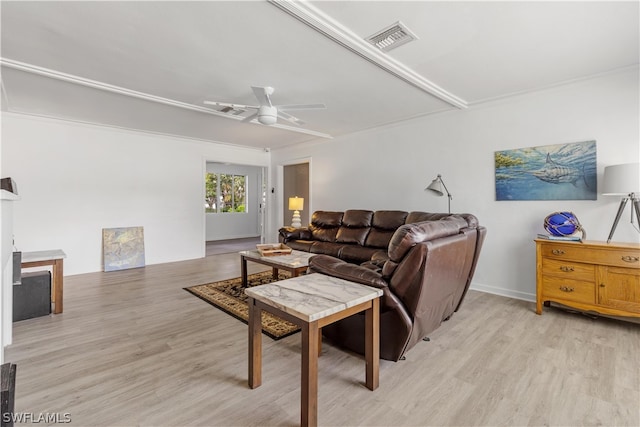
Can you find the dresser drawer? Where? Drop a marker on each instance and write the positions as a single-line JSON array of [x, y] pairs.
[[619, 258], [568, 269], [601, 255], [572, 290], [568, 251]]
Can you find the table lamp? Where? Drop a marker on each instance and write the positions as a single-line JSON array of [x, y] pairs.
[[296, 204], [623, 180], [436, 186]]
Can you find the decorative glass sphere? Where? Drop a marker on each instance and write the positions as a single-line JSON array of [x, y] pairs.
[[561, 223]]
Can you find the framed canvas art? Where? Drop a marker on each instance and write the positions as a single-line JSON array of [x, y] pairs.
[[123, 248], [548, 172]]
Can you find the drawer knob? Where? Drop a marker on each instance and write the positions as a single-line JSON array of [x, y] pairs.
[[628, 258], [566, 268], [557, 252], [566, 289]]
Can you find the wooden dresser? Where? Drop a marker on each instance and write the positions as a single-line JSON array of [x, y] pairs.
[[591, 276]]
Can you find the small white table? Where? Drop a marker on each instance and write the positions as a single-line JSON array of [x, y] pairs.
[[52, 258], [312, 302]]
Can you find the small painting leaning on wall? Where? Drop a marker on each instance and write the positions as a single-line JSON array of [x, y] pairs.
[[548, 172], [123, 248]]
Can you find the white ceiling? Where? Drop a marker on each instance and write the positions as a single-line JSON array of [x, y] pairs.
[[150, 65]]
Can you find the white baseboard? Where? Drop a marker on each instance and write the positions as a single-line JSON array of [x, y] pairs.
[[525, 296]]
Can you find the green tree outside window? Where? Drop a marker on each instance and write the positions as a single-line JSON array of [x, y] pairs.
[[225, 193]]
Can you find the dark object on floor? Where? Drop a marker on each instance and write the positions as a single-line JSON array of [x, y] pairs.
[[8, 393], [32, 298]]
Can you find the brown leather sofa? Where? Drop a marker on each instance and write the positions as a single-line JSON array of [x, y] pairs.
[[423, 262]]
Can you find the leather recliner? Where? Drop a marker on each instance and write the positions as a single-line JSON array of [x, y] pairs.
[[424, 276]]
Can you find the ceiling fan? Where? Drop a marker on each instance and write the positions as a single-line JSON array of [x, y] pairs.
[[266, 112]]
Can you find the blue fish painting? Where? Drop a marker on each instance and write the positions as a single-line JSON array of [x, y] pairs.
[[551, 172], [557, 174]]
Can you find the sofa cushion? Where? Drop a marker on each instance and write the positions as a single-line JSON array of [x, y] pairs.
[[344, 270], [352, 235], [409, 235], [379, 238], [327, 248], [326, 219], [388, 220], [300, 245], [356, 254], [384, 224], [292, 233], [424, 216], [323, 234], [324, 225], [355, 227], [472, 220], [357, 218]]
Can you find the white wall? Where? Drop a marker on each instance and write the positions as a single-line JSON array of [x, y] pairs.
[[388, 168], [222, 226], [75, 179]]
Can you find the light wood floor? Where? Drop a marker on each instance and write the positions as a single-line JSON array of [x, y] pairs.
[[217, 247], [134, 348]]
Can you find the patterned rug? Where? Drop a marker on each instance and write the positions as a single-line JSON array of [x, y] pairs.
[[228, 296]]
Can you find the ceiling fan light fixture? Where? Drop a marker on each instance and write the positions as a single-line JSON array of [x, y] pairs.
[[267, 115], [391, 37]]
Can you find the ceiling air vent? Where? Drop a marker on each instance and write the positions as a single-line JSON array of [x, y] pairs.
[[391, 37], [235, 111]]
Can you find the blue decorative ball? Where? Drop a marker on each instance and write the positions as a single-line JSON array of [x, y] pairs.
[[561, 223]]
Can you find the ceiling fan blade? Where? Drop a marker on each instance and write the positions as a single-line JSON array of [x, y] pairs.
[[249, 118], [301, 130], [290, 118], [302, 107], [263, 95], [226, 104]]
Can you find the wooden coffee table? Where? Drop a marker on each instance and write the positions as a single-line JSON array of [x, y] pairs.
[[295, 263], [312, 302]]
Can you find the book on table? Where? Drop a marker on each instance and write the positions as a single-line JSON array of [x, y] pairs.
[[565, 238]]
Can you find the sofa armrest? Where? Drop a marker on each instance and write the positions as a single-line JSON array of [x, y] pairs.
[[335, 267], [286, 234]]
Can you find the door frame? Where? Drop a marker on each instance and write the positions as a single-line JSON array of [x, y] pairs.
[[280, 194], [263, 213]]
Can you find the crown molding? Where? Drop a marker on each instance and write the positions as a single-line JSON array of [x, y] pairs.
[[57, 75], [76, 122], [324, 24], [70, 78]]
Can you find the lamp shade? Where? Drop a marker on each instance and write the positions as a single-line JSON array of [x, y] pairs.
[[296, 203], [621, 180], [436, 186]]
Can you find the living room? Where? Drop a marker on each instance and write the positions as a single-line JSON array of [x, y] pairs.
[[76, 175]]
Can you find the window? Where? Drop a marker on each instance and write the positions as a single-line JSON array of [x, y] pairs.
[[225, 193]]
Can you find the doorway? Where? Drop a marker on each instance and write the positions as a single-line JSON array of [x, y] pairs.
[[296, 183], [234, 202]]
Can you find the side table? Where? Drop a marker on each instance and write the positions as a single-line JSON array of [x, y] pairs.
[[312, 302], [52, 258]]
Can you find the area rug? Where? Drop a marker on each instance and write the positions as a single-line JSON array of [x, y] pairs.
[[228, 296]]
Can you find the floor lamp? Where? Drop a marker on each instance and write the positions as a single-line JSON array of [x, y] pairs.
[[623, 180], [436, 186], [296, 204]]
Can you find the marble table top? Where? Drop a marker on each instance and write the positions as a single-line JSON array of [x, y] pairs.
[[294, 259], [313, 296], [43, 255]]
